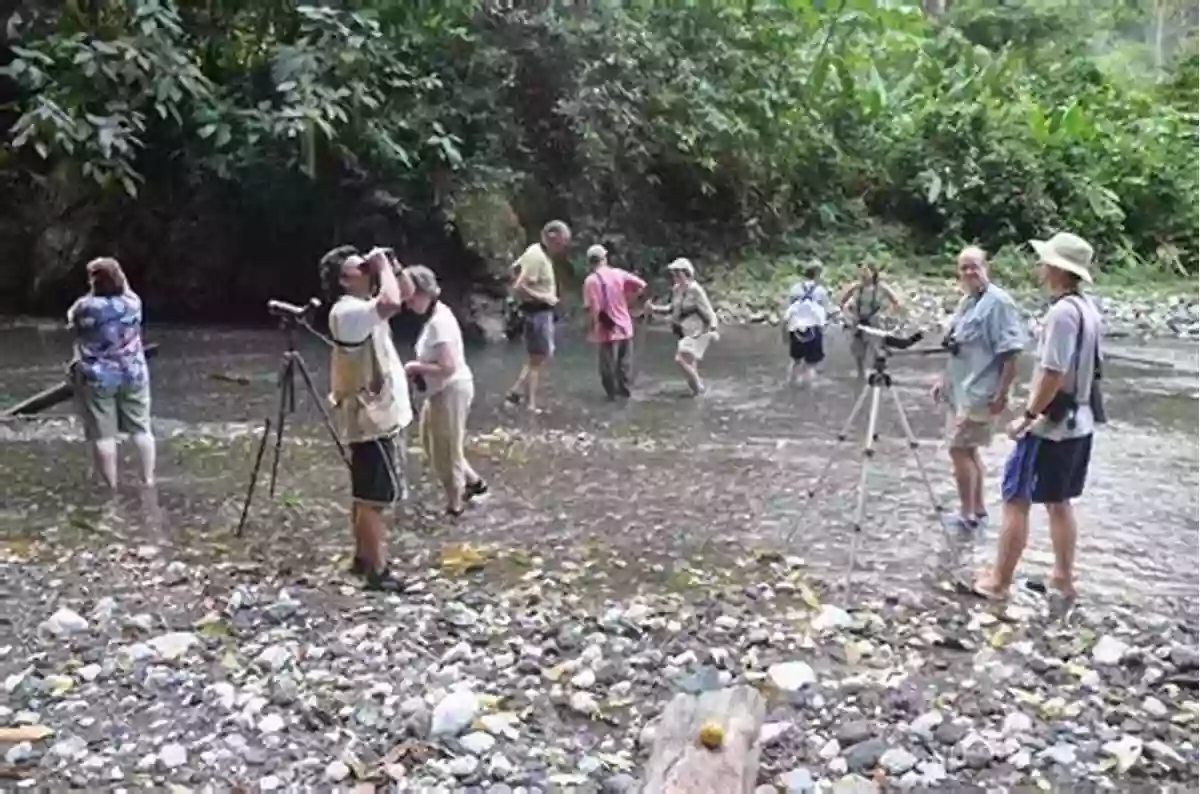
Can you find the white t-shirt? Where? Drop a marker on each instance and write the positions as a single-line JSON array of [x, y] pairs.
[[442, 329], [351, 321]]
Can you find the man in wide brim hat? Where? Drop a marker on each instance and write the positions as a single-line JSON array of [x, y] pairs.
[[1048, 465]]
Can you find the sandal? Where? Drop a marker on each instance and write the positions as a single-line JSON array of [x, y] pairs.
[[475, 490], [978, 591], [385, 581]]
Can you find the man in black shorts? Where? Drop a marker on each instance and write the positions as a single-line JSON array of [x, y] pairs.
[[1048, 464], [369, 392]]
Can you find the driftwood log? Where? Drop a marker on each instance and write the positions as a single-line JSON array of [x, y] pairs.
[[48, 398], [679, 764]]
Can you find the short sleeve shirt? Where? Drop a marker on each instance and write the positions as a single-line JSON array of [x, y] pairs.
[[798, 314], [442, 328], [351, 321], [607, 289], [1068, 348], [986, 327], [108, 341], [538, 273]]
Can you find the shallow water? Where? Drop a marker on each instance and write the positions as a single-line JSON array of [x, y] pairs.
[[664, 475]]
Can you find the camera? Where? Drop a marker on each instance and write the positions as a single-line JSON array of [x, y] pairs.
[[950, 344]]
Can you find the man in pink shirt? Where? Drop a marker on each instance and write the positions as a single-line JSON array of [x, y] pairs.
[[606, 292]]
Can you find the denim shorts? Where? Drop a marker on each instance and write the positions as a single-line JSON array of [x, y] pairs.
[[539, 333]]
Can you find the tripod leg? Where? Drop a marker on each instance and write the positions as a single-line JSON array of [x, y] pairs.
[[860, 504], [306, 376], [913, 445], [258, 458], [287, 400], [842, 435]]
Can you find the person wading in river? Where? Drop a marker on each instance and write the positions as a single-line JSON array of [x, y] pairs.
[[369, 393], [987, 333], [693, 321], [1048, 465], [449, 388], [862, 303], [606, 294], [112, 382], [535, 288], [804, 325]]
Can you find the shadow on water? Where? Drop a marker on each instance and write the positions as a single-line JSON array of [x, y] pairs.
[[663, 477]]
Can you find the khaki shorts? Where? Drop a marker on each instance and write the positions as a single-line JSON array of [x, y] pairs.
[[104, 415], [970, 429], [695, 346]]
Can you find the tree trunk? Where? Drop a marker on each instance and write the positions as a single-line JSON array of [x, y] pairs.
[[679, 764]]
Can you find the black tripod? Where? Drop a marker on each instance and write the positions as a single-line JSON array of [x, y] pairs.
[[291, 363], [877, 382]]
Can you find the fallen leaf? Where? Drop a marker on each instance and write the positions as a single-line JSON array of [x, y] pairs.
[[459, 558], [808, 596]]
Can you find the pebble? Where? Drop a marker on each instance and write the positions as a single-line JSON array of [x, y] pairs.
[[791, 676], [172, 756], [64, 622], [897, 761], [477, 743], [336, 772], [798, 781], [1109, 650], [454, 713], [19, 753], [1155, 707]]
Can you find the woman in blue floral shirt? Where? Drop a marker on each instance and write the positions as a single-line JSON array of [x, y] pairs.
[[112, 383]]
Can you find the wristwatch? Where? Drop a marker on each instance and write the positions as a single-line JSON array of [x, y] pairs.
[[1030, 415]]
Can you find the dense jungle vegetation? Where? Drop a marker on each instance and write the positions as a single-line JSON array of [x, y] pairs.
[[218, 147]]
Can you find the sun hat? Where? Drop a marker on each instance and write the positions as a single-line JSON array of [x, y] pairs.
[[684, 266], [596, 253], [424, 280], [1068, 252]]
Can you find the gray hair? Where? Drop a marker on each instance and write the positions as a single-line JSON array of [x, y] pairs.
[[424, 281], [974, 254], [557, 228]]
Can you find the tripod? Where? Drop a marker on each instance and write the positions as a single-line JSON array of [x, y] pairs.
[[877, 382], [291, 362]]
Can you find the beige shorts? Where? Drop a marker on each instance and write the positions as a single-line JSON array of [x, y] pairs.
[[695, 346], [970, 429]]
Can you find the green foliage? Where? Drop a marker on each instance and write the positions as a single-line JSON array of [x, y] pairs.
[[716, 129]]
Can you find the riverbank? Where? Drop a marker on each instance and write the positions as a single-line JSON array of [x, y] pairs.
[[502, 671]]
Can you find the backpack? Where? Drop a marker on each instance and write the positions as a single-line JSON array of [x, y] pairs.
[[805, 315]]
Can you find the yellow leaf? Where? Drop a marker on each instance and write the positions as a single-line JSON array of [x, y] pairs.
[[1000, 637], [62, 685], [459, 558], [212, 625], [808, 596], [852, 651], [25, 733]]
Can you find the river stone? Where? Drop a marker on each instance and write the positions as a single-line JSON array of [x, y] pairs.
[[849, 733], [1109, 650], [477, 742], [454, 713], [621, 783], [19, 753], [951, 732], [854, 784], [798, 781], [791, 676], [172, 755], [897, 761], [336, 772], [864, 756], [1062, 754], [1127, 751], [174, 645], [1154, 707], [925, 724], [1016, 723], [64, 622]]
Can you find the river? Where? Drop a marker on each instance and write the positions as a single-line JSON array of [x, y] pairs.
[[659, 481]]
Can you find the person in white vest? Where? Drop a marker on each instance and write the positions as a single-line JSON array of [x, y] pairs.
[[369, 395], [804, 320]]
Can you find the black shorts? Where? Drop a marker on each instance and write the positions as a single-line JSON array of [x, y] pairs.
[[811, 351], [374, 475], [1044, 472]]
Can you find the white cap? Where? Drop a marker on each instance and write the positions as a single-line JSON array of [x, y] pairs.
[[683, 265], [596, 252]]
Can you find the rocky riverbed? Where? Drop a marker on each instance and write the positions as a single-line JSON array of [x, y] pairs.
[[502, 672], [1127, 313]]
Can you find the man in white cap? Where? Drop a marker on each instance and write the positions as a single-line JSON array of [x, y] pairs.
[[606, 293], [1048, 464]]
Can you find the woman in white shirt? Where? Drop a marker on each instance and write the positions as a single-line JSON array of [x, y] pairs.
[[449, 390]]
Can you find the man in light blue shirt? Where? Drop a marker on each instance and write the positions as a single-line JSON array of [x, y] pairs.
[[804, 322], [986, 334]]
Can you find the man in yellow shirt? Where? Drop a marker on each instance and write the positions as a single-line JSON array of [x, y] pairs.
[[536, 292]]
